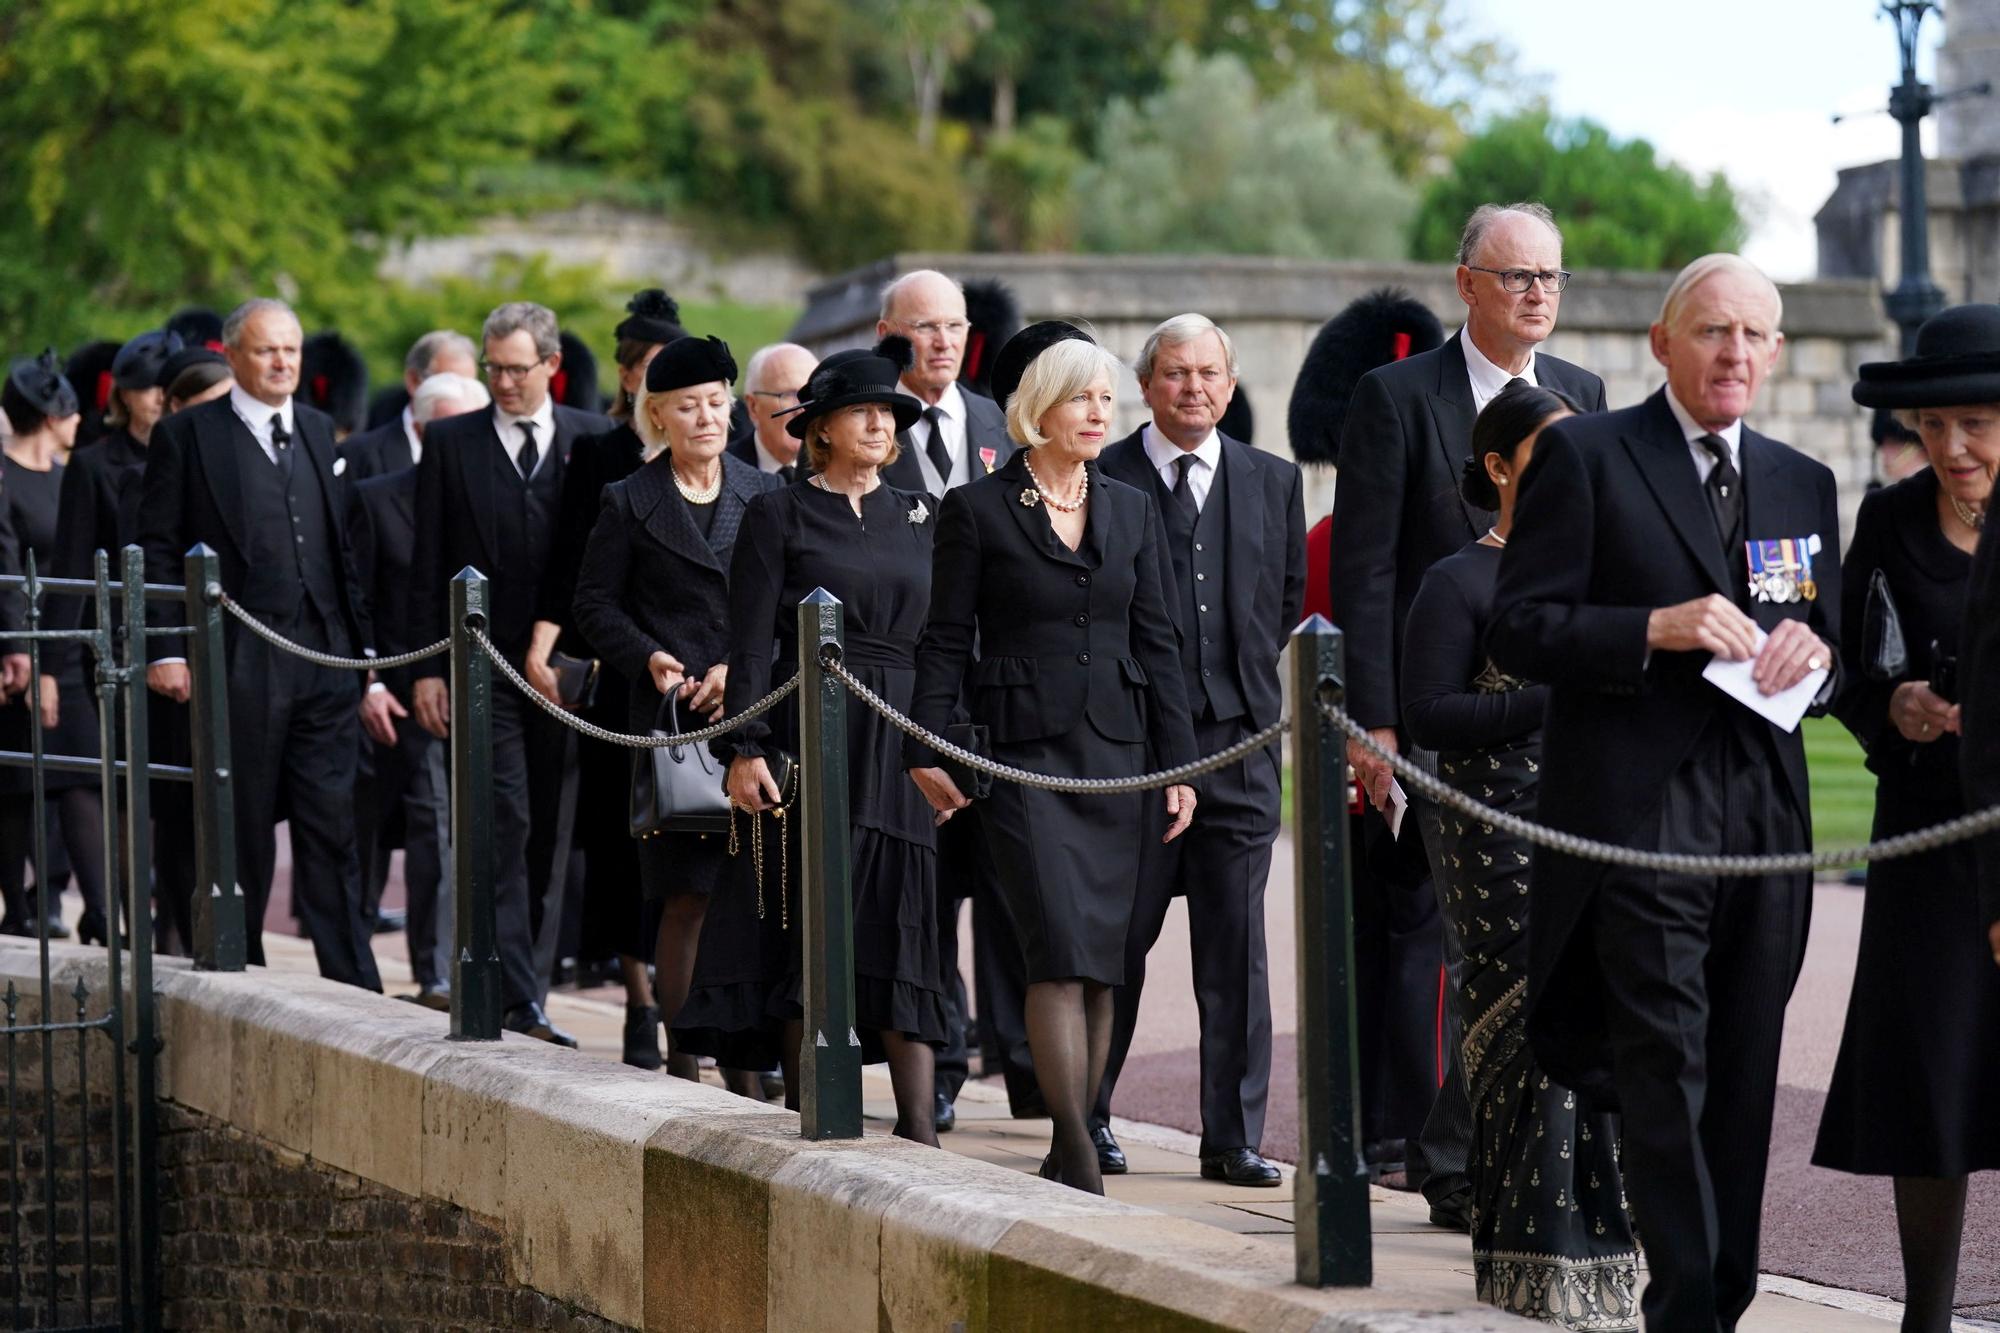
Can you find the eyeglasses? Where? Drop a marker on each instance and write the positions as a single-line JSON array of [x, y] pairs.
[[930, 328], [1518, 280], [495, 371], [784, 396]]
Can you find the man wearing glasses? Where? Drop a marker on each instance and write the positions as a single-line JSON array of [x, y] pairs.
[[961, 434], [1396, 512], [771, 385]]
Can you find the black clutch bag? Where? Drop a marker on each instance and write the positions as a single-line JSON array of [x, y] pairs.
[[975, 784], [676, 788], [1884, 654], [576, 680]]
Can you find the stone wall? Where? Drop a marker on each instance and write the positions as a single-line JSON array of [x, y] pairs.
[[1273, 307]]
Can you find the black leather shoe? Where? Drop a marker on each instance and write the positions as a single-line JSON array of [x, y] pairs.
[[1452, 1208], [1239, 1166], [946, 1117], [531, 1020], [642, 1036], [1110, 1157], [388, 921], [432, 997]]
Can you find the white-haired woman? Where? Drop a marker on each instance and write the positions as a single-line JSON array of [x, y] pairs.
[[1053, 570], [652, 597]]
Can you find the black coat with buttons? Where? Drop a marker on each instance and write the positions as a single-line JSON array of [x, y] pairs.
[[1064, 637]]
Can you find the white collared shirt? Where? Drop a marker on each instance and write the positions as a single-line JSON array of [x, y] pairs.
[[951, 410], [1704, 461], [257, 415], [1488, 379], [507, 427], [416, 440], [766, 460], [1165, 457]]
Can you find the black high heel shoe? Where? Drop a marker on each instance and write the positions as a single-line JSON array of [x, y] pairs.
[[1049, 1169], [90, 928]]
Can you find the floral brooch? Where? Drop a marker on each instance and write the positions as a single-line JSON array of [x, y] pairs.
[[1030, 497], [918, 513]]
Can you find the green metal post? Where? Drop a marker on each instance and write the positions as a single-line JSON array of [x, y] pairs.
[[138, 911], [475, 970], [1330, 1192], [219, 939], [830, 1061]]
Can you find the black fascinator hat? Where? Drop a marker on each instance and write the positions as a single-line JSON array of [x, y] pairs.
[[137, 365], [1957, 363], [858, 375], [690, 360], [41, 384], [1024, 347], [651, 317]]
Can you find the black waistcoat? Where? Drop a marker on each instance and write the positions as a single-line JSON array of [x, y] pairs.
[[291, 545], [524, 524], [1208, 645]]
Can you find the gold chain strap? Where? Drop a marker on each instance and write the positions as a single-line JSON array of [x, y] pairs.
[[782, 813]]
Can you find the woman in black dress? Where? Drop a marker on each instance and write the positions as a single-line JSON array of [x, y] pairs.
[[1916, 1089], [1048, 614], [613, 914], [869, 545], [652, 597], [1550, 1236], [42, 407]]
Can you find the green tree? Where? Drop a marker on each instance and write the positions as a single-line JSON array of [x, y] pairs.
[[1207, 165], [1618, 204]]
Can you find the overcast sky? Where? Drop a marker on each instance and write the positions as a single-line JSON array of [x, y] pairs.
[[1747, 87]]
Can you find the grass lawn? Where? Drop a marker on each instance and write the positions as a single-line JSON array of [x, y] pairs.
[[1843, 792]]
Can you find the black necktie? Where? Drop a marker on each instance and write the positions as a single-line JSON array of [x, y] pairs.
[[281, 444], [936, 450], [529, 454], [1725, 493], [1183, 489]]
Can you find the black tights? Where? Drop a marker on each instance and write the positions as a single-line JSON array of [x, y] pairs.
[[1930, 1215], [912, 1073], [674, 951], [80, 814], [1069, 1035]]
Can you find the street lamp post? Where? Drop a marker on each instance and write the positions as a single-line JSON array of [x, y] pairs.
[[1916, 296]]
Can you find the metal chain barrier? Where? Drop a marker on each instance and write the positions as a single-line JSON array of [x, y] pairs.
[[317, 658], [1741, 867], [1166, 777], [595, 732]]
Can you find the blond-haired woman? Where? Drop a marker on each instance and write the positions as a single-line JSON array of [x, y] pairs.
[[652, 597], [1053, 571]]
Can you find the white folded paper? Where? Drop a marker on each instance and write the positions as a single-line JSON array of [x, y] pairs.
[[1783, 709], [1399, 801]]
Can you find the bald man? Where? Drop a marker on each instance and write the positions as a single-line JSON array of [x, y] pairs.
[[771, 385], [962, 434]]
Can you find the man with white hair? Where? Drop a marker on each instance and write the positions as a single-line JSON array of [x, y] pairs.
[[395, 445], [1626, 581], [961, 434], [1234, 520], [406, 762], [771, 384]]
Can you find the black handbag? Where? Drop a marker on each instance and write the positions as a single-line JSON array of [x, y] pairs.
[[576, 680], [1884, 654], [676, 788]]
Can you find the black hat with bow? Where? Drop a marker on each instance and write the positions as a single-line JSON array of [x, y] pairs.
[[858, 375], [40, 381], [137, 365]]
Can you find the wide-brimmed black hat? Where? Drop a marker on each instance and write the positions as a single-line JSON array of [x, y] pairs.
[[1024, 347], [858, 375], [40, 380], [690, 360], [137, 365], [1957, 363], [651, 317]]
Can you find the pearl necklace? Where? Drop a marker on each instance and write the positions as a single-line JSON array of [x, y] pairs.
[[696, 497], [1061, 506], [1972, 518]]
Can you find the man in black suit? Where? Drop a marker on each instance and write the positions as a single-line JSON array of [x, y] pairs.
[[253, 475], [1235, 526], [1396, 512], [397, 443], [1628, 571], [771, 383], [410, 786], [488, 489], [961, 435]]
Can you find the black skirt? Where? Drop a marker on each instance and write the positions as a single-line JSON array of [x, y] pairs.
[[75, 734], [1916, 1088], [743, 946]]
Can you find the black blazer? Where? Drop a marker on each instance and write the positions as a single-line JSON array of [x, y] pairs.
[[985, 428], [1060, 639], [1612, 523], [192, 493], [1979, 687], [1266, 558], [376, 451], [1396, 506], [456, 485], [97, 509], [650, 581], [383, 531], [594, 463]]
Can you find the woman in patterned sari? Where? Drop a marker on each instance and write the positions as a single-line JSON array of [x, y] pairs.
[[1551, 1238]]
